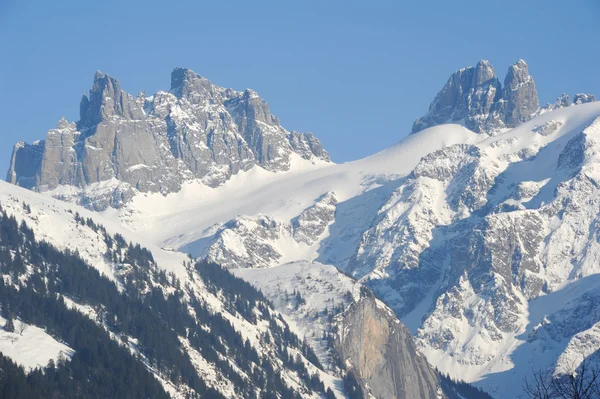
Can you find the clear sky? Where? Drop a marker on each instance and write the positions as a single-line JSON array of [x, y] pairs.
[[355, 73]]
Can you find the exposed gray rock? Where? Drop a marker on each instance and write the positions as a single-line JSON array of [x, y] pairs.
[[312, 222], [381, 353], [572, 156], [106, 100], [197, 130], [520, 95], [582, 98], [307, 146], [247, 242], [548, 128], [562, 101], [473, 96], [25, 162], [468, 94]]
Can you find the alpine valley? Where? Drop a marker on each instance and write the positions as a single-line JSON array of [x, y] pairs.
[[185, 244]]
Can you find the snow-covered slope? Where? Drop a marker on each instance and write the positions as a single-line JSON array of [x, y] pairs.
[[70, 227], [348, 326], [310, 295], [485, 245], [456, 231], [30, 346], [187, 216], [54, 221]]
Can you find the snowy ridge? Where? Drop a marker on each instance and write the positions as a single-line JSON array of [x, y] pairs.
[[57, 223], [436, 185], [485, 245]]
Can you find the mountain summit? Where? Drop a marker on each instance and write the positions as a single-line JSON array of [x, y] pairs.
[[482, 238], [474, 97], [126, 144]]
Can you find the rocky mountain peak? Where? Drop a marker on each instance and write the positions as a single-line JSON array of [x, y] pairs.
[[583, 98], [520, 95], [474, 97], [130, 144], [483, 72], [62, 123], [187, 84], [562, 101], [250, 107], [518, 73], [106, 100]]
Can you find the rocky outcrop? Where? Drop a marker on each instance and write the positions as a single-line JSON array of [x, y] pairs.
[[197, 130], [313, 221], [247, 242], [582, 98], [564, 101], [259, 242], [25, 162], [474, 97], [381, 353], [106, 100], [520, 98], [468, 95]]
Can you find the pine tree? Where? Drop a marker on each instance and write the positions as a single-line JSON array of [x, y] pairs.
[[9, 326]]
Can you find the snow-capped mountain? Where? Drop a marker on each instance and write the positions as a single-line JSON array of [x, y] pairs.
[[123, 145], [216, 333], [233, 328], [479, 230], [474, 97]]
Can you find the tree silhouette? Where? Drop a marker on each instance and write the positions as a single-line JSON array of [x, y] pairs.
[[581, 382], [9, 326]]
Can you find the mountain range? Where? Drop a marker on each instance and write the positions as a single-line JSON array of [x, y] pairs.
[[469, 249]]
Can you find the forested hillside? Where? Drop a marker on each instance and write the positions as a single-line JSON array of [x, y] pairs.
[[146, 336]]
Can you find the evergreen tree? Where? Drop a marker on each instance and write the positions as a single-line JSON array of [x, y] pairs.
[[9, 326]]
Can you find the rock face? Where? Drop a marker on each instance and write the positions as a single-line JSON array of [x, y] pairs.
[[248, 242], [520, 97], [467, 247], [468, 95], [381, 353], [475, 97], [312, 222], [582, 98], [25, 162], [127, 144]]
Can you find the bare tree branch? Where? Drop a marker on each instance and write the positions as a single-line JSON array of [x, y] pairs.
[[579, 382]]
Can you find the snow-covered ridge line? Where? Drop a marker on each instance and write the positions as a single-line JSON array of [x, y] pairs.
[[436, 185]]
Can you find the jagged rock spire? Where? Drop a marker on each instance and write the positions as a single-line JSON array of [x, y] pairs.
[[187, 84], [520, 94], [105, 100], [474, 97], [582, 98], [197, 130]]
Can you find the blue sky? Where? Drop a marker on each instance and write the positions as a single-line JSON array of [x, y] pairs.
[[354, 73]]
